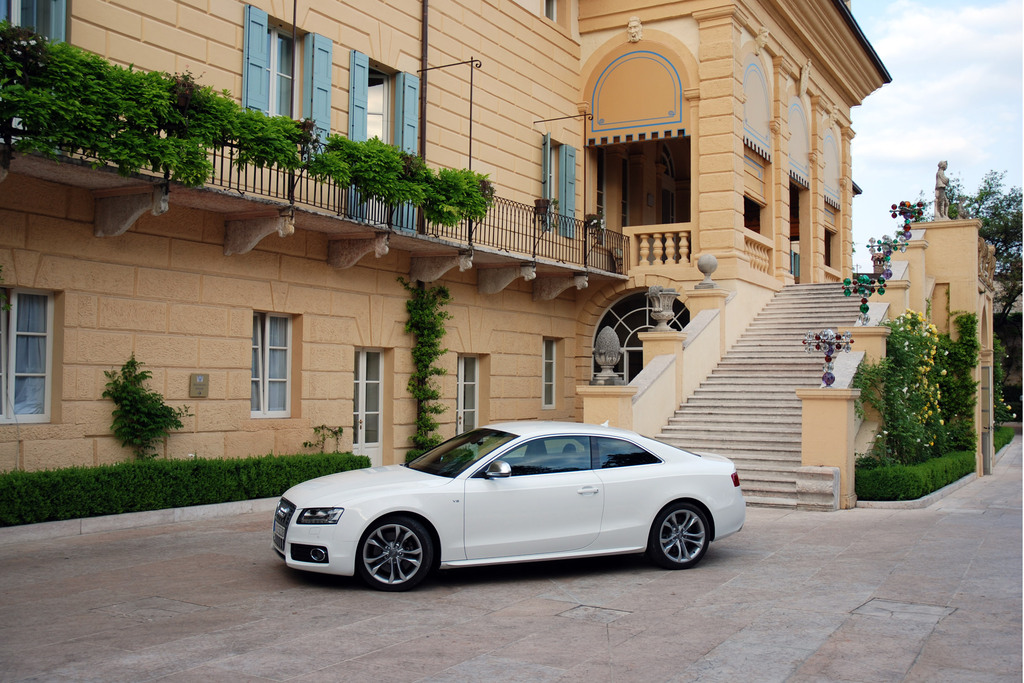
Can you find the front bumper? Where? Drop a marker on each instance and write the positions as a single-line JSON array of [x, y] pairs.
[[320, 548]]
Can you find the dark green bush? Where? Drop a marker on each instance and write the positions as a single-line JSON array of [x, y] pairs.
[[75, 492], [1003, 436], [909, 482]]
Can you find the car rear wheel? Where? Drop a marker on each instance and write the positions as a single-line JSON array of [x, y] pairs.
[[679, 537], [396, 554]]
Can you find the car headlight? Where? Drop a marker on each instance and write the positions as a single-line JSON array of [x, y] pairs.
[[319, 516]]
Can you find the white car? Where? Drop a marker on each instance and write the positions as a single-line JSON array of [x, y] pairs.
[[511, 492]]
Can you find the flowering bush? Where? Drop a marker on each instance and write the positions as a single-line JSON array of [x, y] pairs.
[[923, 390]]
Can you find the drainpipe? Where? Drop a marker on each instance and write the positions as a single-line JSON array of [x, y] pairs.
[[424, 46]]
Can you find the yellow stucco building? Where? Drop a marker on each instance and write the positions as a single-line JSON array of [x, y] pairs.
[[625, 141]]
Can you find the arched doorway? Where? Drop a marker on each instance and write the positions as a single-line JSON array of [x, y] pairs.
[[628, 317]]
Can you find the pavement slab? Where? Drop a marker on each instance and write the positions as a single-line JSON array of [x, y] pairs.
[[870, 594]]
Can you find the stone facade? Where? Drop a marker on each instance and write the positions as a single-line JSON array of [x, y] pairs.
[[752, 158]]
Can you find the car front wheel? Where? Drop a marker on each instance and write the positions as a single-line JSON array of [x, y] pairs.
[[679, 537], [395, 554]]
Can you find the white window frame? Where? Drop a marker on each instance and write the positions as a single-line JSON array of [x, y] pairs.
[[274, 38], [384, 112], [467, 417], [9, 360], [549, 383], [261, 347], [551, 9]]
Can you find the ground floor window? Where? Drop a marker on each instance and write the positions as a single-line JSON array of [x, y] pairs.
[[26, 350], [271, 361], [468, 399], [548, 379]]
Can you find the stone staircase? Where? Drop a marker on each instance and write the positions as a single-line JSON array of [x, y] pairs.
[[747, 409]]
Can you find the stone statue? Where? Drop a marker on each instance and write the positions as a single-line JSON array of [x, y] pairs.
[[805, 75], [941, 200], [635, 30]]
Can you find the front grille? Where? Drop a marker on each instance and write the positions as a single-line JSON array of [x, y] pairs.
[[282, 518]]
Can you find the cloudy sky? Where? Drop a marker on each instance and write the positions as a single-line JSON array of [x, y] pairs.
[[956, 95]]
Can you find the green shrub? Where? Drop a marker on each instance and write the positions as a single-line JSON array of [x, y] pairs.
[[75, 492], [909, 482], [1003, 436]]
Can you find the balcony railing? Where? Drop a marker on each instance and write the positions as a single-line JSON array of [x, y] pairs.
[[509, 226]]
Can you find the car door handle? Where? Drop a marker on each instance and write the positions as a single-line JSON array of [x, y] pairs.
[[587, 490]]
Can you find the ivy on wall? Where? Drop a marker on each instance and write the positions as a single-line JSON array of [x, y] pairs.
[[57, 98], [427, 315]]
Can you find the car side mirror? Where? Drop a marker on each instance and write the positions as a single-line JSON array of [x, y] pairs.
[[499, 469]]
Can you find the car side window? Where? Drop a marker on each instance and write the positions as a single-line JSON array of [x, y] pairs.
[[619, 453], [550, 455]]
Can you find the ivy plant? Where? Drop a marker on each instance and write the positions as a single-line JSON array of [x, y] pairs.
[[56, 98], [427, 315], [320, 435], [141, 418]]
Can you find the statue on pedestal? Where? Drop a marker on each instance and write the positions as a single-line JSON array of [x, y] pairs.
[[941, 200]]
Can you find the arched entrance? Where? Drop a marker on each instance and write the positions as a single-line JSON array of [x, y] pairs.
[[628, 317]]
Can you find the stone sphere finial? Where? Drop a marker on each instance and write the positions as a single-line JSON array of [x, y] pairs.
[[707, 264]]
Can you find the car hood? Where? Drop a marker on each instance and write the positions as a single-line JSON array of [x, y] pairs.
[[345, 487]]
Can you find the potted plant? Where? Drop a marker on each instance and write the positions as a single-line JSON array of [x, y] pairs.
[[594, 222]]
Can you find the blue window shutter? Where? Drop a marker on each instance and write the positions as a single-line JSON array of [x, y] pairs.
[[567, 184], [58, 21], [407, 112], [358, 95], [316, 71], [256, 61], [545, 170]]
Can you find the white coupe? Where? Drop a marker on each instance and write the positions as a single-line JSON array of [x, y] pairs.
[[511, 492]]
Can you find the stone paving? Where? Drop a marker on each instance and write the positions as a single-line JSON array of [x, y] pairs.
[[932, 594]]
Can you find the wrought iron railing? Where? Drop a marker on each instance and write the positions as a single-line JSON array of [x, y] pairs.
[[509, 226]]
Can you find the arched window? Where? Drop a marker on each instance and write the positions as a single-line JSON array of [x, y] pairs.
[[630, 316]]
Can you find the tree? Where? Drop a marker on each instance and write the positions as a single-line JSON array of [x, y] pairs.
[[999, 211]]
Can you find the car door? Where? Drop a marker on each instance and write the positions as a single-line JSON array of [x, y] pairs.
[[552, 503]]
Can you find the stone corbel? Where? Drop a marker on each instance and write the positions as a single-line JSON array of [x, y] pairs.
[[431, 268], [242, 233], [493, 280], [548, 288], [346, 253], [117, 210]]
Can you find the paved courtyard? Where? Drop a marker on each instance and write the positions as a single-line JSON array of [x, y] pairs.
[[930, 594]]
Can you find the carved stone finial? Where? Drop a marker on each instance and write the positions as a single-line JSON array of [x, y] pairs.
[[607, 353], [707, 264], [661, 299], [761, 40], [805, 75], [941, 199], [635, 30]]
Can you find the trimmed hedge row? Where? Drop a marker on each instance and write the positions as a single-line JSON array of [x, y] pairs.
[[909, 482], [75, 492]]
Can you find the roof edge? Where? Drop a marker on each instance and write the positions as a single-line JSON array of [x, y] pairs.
[[848, 17]]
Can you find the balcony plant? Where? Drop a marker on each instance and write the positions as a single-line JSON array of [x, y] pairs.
[[56, 99]]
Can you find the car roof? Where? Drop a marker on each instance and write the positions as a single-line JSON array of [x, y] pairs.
[[528, 428]]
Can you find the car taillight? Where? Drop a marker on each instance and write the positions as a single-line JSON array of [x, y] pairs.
[[735, 479]]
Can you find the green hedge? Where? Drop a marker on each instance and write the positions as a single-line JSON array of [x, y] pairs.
[[75, 492], [909, 482], [1003, 436]]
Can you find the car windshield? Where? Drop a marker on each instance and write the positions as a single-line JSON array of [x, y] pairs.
[[453, 456]]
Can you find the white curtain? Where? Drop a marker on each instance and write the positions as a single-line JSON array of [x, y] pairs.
[[30, 353]]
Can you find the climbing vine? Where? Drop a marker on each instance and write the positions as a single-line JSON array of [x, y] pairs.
[[427, 315], [141, 418]]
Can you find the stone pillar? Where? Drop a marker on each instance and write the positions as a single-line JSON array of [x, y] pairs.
[[871, 340], [698, 300], [611, 404], [829, 428], [662, 344]]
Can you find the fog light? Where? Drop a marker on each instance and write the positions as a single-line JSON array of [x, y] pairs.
[[309, 553], [318, 554]]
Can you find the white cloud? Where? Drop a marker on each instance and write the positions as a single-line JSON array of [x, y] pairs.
[[956, 94]]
